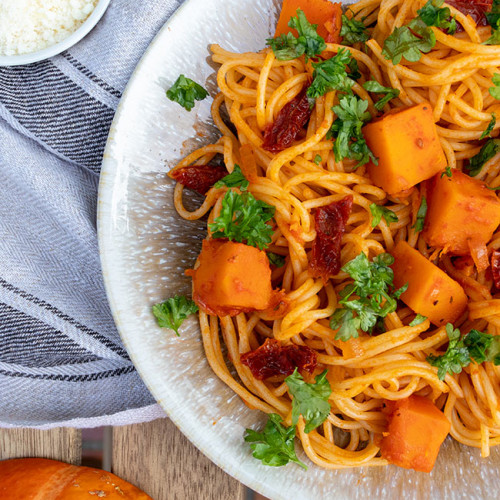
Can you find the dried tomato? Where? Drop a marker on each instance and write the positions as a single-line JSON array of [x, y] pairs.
[[495, 268], [289, 122], [330, 227], [199, 178], [475, 9], [272, 359]]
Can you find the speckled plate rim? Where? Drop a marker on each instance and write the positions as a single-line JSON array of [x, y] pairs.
[[277, 484], [109, 173]]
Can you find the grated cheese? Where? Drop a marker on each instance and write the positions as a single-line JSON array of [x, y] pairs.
[[31, 25]]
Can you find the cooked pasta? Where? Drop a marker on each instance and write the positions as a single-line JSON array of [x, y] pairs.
[[365, 372]]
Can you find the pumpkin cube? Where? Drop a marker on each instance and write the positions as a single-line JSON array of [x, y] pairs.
[[431, 292], [461, 212], [416, 430], [231, 278], [407, 146]]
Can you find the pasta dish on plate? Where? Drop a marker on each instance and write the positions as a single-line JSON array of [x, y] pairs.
[[348, 284]]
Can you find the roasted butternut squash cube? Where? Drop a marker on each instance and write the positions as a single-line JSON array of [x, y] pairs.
[[231, 278], [431, 292], [461, 212], [416, 429], [321, 12], [407, 146]]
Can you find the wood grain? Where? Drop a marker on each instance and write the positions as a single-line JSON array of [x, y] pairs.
[[59, 444], [157, 458]]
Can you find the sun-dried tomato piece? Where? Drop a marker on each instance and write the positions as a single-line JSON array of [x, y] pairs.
[[474, 9], [272, 359], [495, 268], [289, 122], [199, 178], [330, 227]]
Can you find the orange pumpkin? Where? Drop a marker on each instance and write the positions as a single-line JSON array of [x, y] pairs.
[[43, 479]]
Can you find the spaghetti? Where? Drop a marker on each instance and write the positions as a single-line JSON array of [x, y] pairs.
[[364, 372]]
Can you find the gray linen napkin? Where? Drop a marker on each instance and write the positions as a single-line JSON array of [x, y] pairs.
[[61, 358]]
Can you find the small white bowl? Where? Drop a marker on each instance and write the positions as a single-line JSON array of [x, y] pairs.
[[64, 44]]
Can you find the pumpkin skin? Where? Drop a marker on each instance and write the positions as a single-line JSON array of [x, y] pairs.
[[43, 479]]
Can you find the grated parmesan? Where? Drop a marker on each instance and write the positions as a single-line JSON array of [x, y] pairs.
[[32, 25]]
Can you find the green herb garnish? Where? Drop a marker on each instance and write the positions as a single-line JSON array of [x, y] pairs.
[[275, 259], [418, 320], [422, 212], [234, 179], [172, 313], [353, 31], [275, 445], [378, 211], [432, 14], [373, 284], [309, 400], [489, 128], [243, 218], [409, 42], [185, 91], [486, 153], [288, 47], [375, 87]]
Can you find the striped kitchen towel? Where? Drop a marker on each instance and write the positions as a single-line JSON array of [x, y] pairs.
[[61, 358]]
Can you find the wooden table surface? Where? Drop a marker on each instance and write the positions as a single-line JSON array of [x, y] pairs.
[[154, 456]]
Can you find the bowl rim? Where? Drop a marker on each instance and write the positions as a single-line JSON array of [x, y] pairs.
[[61, 46]]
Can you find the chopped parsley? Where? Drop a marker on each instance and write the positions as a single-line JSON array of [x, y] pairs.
[[378, 211], [318, 159], [172, 313], [417, 320], [288, 47], [486, 153], [309, 400], [274, 446], [349, 142], [275, 259], [447, 172], [373, 285], [489, 128], [422, 212], [243, 218], [332, 74], [353, 31], [476, 345], [495, 91], [409, 42], [185, 91], [493, 18], [375, 87], [432, 14], [234, 179]]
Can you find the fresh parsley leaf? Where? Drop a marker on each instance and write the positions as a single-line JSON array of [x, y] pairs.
[[493, 18], [409, 43], [332, 74], [375, 87], [349, 142], [275, 444], [478, 343], [486, 153], [447, 172], [172, 313], [379, 211], [288, 47], [185, 91], [234, 179], [317, 159], [373, 285], [275, 259], [432, 14], [243, 218], [495, 91], [489, 128], [417, 320], [456, 356], [309, 400], [422, 212], [353, 31]]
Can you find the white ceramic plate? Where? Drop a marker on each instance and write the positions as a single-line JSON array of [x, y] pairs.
[[145, 248]]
